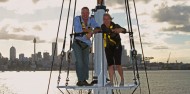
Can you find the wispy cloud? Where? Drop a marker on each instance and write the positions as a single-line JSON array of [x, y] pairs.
[[121, 2], [35, 1], [49, 13], [17, 29], [29, 6], [160, 47], [1, 1], [4, 35], [59, 40], [37, 28]]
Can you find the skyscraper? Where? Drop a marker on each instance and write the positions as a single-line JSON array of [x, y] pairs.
[[139, 58], [39, 55], [21, 57], [12, 53], [124, 58], [1, 55], [54, 48], [46, 56]]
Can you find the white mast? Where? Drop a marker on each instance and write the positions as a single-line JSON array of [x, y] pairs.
[[100, 65], [99, 49]]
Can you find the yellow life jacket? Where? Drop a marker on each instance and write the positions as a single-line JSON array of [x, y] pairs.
[[108, 36], [83, 24]]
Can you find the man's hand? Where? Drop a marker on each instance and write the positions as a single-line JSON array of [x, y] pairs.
[[89, 35], [96, 30], [86, 30], [117, 30]]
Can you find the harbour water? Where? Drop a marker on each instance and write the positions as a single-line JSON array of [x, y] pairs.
[[161, 82]]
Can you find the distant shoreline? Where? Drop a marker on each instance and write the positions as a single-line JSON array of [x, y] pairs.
[[72, 70]]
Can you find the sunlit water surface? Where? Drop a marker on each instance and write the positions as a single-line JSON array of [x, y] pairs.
[[161, 82]]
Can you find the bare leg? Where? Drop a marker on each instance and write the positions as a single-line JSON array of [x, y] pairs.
[[120, 71], [111, 71]]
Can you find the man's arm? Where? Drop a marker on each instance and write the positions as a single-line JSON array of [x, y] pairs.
[[78, 28], [95, 25], [77, 25]]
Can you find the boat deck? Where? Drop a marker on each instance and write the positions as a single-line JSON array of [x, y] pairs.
[[129, 86]]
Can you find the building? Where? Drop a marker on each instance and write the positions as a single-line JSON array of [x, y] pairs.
[[54, 48], [34, 57], [46, 56], [39, 55], [124, 57], [1, 56], [21, 57], [139, 58], [12, 53], [3, 60]]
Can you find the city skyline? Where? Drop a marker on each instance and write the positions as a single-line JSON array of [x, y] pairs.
[[35, 55], [164, 26], [13, 55]]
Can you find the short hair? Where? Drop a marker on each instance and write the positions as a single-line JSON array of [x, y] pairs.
[[106, 14], [85, 8]]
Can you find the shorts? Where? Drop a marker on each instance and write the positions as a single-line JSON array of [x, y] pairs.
[[113, 55]]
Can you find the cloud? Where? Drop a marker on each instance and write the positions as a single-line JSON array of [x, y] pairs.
[[37, 15], [122, 2], [59, 40], [35, 1], [38, 40], [18, 29], [178, 16], [4, 35], [30, 6], [184, 28], [4, 29], [147, 43], [37, 28], [2, 1], [161, 47], [13, 27]]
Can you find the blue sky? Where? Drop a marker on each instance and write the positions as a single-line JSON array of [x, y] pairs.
[[164, 25]]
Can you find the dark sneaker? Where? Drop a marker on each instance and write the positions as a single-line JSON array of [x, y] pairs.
[[94, 82], [109, 84], [80, 83], [86, 83], [121, 83]]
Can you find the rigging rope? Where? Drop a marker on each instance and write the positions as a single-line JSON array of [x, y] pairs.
[[145, 66], [69, 54], [63, 47], [130, 36], [55, 47], [71, 40], [134, 52]]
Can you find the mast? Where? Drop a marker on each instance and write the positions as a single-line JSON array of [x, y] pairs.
[[99, 55]]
